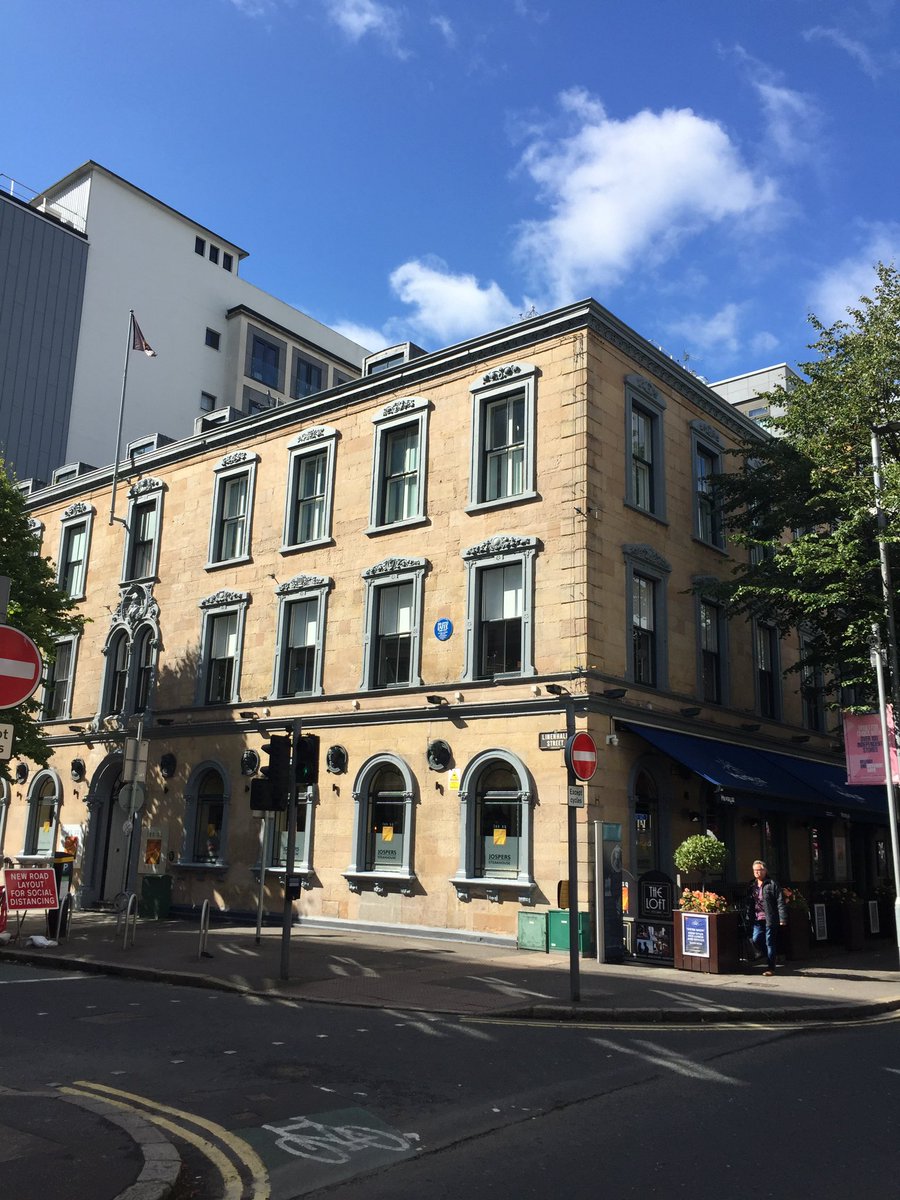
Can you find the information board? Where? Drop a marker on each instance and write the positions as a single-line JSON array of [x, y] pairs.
[[31, 887]]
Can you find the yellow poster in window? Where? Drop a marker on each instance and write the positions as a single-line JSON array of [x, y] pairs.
[[387, 833], [500, 835]]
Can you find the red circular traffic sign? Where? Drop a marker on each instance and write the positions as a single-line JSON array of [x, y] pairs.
[[581, 755], [21, 666]]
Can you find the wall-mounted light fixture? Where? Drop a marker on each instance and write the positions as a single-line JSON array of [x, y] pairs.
[[336, 759], [693, 711], [694, 817], [439, 755], [557, 689], [615, 693], [77, 770], [751, 726], [438, 700], [22, 773], [249, 762], [249, 716], [165, 721], [167, 764]]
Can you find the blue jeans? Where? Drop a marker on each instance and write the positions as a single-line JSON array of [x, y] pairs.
[[761, 932]]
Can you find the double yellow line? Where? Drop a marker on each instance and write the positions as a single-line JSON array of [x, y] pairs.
[[242, 1154]]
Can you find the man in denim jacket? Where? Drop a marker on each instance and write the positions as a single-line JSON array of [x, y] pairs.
[[765, 912]]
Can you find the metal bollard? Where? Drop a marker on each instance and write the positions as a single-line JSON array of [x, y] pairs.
[[130, 912], [202, 952]]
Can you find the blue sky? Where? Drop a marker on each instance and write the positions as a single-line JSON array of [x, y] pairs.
[[711, 171]]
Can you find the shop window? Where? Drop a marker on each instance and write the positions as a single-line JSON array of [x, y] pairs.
[[495, 826], [384, 795], [646, 819], [43, 814], [206, 813]]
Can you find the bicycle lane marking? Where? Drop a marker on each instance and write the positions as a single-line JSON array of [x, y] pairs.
[[154, 1110], [325, 1148]]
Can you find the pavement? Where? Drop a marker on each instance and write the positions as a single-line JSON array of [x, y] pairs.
[[399, 972]]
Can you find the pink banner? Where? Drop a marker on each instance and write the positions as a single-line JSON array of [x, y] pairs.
[[862, 744]]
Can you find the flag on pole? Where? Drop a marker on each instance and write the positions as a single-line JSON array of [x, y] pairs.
[[139, 342]]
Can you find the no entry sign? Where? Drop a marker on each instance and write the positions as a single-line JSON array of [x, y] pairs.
[[20, 666], [581, 755]]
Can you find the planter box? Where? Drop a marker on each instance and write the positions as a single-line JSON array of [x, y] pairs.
[[719, 941], [854, 925]]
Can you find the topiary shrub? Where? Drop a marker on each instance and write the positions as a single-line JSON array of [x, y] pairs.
[[701, 853]]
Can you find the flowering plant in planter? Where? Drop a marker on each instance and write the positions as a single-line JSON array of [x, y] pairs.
[[840, 895], [795, 899], [702, 902]]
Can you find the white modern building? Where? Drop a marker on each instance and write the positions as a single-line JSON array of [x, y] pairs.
[[744, 391], [221, 343]]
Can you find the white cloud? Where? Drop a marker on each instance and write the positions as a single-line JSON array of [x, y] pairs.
[[857, 51], [448, 307], [445, 28], [625, 193], [840, 287], [793, 120], [364, 335], [254, 8], [360, 18], [718, 332]]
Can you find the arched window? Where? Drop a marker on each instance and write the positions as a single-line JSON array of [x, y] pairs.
[[210, 821], [496, 796], [383, 830], [206, 816], [43, 814]]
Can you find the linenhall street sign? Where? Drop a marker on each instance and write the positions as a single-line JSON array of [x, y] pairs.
[[554, 740]]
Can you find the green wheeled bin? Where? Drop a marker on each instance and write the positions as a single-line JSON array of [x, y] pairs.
[[156, 897]]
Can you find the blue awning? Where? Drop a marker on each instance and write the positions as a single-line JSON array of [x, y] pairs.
[[767, 778], [830, 782]]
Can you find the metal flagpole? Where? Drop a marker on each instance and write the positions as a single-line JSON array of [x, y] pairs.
[[115, 479]]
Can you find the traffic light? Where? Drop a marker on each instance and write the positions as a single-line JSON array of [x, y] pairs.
[[278, 773], [306, 760]]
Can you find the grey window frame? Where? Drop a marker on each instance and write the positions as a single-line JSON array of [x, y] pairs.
[[706, 444], [391, 572], [358, 872], [643, 561], [765, 628], [301, 356], [467, 880], [76, 516], [193, 804], [212, 338], [221, 604], [46, 776], [411, 411], [498, 384], [320, 439], [240, 464], [500, 550], [722, 638], [812, 692], [146, 493], [255, 334], [641, 395], [51, 682], [300, 588]]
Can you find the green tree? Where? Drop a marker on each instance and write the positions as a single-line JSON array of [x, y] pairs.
[[803, 502], [36, 606]]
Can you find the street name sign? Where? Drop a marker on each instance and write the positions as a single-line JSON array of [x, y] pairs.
[[21, 667], [554, 739]]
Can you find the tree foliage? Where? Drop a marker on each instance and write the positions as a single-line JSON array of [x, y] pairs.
[[803, 502], [36, 606]]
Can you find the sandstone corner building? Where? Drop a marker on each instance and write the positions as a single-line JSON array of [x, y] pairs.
[[431, 568]]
